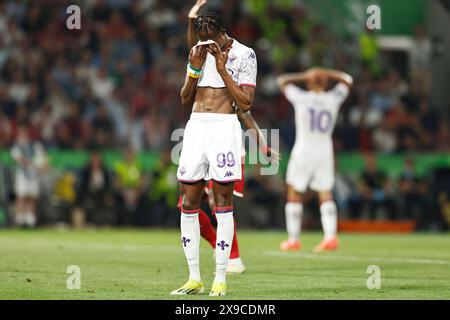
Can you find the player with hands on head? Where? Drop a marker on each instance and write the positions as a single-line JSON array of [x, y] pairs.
[[311, 162]]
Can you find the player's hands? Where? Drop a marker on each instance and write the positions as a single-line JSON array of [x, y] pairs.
[[221, 57], [193, 13], [197, 56], [318, 73], [273, 155]]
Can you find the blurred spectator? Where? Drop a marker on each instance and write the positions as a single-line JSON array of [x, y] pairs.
[[156, 131], [19, 88], [264, 193], [362, 115], [71, 131], [369, 50], [6, 130], [429, 120], [103, 134], [412, 194], [399, 86], [343, 187], [442, 141], [31, 161], [45, 121], [408, 129], [384, 138], [382, 98], [164, 192], [130, 185], [420, 61], [101, 85], [95, 193], [374, 191]]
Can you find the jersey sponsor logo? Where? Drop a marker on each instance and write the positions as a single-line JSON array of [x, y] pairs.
[[222, 245], [182, 171]]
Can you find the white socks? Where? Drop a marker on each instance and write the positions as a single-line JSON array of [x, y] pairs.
[[294, 212], [190, 239], [224, 239], [328, 213]]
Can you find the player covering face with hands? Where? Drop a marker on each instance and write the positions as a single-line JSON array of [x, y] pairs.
[[207, 231], [311, 163], [220, 82]]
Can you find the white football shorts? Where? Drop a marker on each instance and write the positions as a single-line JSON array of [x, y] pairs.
[[304, 171], [211, 149]]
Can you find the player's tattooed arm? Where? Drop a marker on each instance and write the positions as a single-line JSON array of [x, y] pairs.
[[197, 57], [250, 123], [242, 96], [192, 15]]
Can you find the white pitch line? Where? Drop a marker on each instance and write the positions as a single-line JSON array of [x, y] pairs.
[[90, 245], [314, 256]]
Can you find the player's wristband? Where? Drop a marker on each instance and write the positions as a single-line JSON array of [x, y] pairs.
[[192, 75], [194, 72]]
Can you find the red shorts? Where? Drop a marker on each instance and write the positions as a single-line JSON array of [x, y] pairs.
[[238, 190]]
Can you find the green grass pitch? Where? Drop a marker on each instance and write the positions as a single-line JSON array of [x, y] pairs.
[[148, 264]]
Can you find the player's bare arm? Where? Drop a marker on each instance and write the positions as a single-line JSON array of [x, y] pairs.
[[242, 95], [292, 78], [250, 123], [197, 56], [336, 75], [192, 15]]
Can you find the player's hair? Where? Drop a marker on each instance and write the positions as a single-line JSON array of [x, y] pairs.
[[210, 22]]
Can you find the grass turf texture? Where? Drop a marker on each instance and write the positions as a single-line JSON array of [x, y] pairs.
[[148, 264]]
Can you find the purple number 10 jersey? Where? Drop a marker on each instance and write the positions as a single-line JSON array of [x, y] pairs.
[[315, 118]]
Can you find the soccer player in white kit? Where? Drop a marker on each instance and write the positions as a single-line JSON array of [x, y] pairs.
[[207, 230], [221, 78], [311, 163]]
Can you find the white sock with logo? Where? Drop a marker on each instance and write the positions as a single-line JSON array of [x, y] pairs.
[[328, 213], [190, 240], [294, 212], [224, 239]]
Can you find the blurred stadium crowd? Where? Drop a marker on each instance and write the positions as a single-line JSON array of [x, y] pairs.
[[115, 82]]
